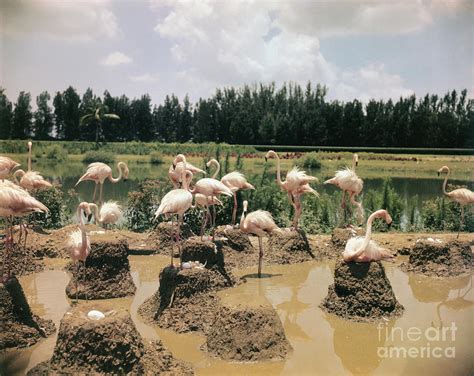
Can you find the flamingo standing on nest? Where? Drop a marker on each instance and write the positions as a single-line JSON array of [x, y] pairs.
[[296, 183], [362, 249], [98, 172], [348, 181], [259, 223], [78, 244], [31, 180], [16, 202], [462, 196], [110, 213], [7, 165], [177, 201], [175, 173]]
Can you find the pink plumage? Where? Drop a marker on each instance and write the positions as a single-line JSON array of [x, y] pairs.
[[175, 173], [6, 166], [31, 180], [15, 201], [236, 181]]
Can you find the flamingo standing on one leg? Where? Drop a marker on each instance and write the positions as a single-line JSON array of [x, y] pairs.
[[7, 165], [201, 201], [259, 223], [463, 196], [175, 173], [348, 181], [31, 180], [110, 213], [177, 201], [236, 182], [99, 171], [295, 179], [362, 249], [16, 202]]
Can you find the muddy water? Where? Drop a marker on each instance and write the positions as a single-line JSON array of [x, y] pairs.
[[322, 344]]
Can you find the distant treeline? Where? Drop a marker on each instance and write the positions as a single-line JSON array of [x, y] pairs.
[[252, 115]]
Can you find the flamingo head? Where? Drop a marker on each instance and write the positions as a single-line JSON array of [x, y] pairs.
[[85, 207], [444, 169], [246, 204], [271, 154], [126, 171], [356, 159], [178, 158], [382, 213], [212, 162], [30, 144]]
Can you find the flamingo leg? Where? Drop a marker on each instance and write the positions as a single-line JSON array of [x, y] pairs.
[[100, 195], [298, 210], [213, 219], [204, 221], [77, 278], [260, 256], [234, 211], [84, 281], [95, 192], [25, 229], [180, 221], [343, 202], [461, 224]]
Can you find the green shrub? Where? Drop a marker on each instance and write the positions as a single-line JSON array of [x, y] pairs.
[[56, 153], [442, 214], [53, 199], [311, 161], [98, 156], [142, 204], [156, 157]]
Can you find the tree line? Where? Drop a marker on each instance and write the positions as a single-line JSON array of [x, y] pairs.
[[259, 114]]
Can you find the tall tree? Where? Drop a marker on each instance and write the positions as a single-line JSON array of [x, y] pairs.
[[22, 116], [58, 105], [71, 114], [43, 125], [6, 115]]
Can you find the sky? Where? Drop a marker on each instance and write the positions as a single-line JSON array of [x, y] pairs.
[[359, 49]]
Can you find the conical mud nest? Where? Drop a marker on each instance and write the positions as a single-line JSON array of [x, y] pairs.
[[186, 299], [247, 334], [105, 274], [234, 239], [19, 326], [361, 292], [439, 259], [21, 260], [111, 345], [163, 237], [288, 247]]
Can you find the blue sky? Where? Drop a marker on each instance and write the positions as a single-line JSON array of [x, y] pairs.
[[359, 49]]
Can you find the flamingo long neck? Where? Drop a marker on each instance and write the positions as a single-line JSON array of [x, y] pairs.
[[15, 175], [278, 170], [29, 157], [96, 212], [183, 176], [218, 168], [368, 231], [119, 177], [446, 182], [83, 229], [242, 223]]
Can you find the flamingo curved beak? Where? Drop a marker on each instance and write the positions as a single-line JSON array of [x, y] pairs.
[[174, 166]]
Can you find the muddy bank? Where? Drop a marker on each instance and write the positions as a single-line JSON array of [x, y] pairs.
[[162, 239], [21, 261], [233, 239], [186, 299], [20, 327], [437, 258], [110, 345], [247, 334], [361, 292], [105, 274]]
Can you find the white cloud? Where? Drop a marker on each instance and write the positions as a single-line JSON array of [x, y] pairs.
[[68, 20], [115, 58], [145, 78]]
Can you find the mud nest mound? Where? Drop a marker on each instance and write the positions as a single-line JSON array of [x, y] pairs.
[[439, 259], [163, 237], [111, 345], [105, 274], [20, 327], [288, 247], [247, 334], [186, 299], [361, 292], [21, 261], [234, 239], [340, 236]]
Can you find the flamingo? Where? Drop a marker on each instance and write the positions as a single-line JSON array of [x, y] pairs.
[[177, 201], [6, 166], [201, 201], [31, 180], [259, 223], [348, 181], [209, 187], [295, 179], [16, 202], [462, 196], [110, 213], [79, 245], [99, 171], [176, 172], [362, 249]]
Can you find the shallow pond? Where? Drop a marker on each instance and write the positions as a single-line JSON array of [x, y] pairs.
[[322, 343]]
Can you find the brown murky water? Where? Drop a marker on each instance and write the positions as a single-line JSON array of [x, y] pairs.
[[322, 344]]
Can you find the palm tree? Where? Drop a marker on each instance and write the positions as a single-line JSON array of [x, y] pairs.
[[97, 114]]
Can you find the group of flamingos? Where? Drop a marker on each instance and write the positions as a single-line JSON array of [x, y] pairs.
[[16, 201]]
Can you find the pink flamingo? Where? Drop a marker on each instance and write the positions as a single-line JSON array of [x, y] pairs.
[[6, 166], [79, 245], [259, 223], [110, 213], [31, 180], [177, 201], [16, 202], [208, 187], [462, 196], [362, 248], [99, 171], [175, 173], [295, 179], [348, 181]]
